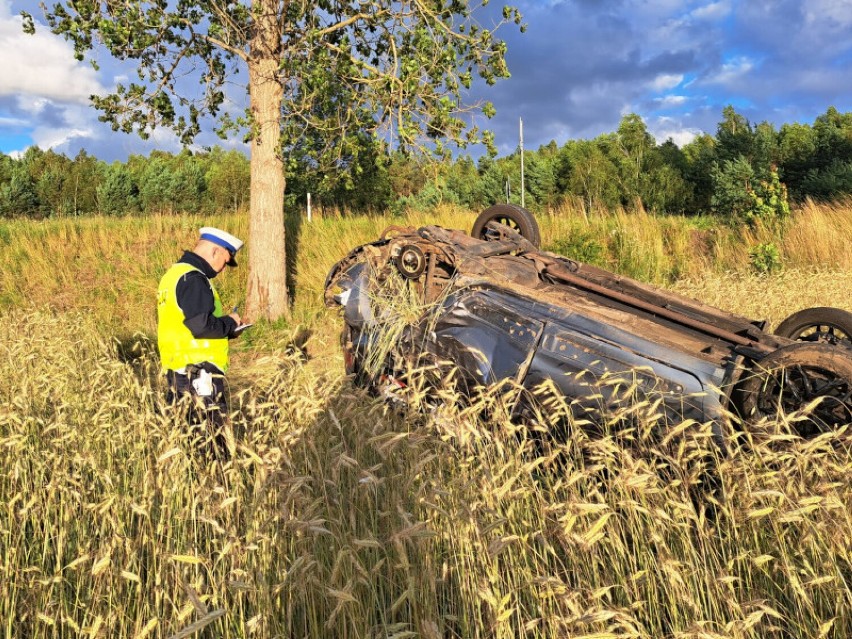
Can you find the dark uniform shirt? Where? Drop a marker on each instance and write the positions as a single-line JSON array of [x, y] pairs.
[[195, 298]]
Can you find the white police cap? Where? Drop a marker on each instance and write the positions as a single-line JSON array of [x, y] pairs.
[[223, 239]]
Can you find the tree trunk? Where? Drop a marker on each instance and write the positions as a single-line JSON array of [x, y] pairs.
[[266, 296]]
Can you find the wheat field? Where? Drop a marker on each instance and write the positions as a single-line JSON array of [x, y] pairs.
[[339, 516]]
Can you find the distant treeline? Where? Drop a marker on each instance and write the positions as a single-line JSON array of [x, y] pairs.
[[744, 171]]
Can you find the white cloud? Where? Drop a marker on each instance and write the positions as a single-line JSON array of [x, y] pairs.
[[681, 137], [49, 88], [41, 65], [671, 101], [53, 137], [76, 121], [732, 71], [712, 11], [664, 128], [666, 81], [12, 122], [831, 13], [31, 104]]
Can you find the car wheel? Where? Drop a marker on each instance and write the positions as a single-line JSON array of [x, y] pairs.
[[822, 324], [793, 378], [511, 215]]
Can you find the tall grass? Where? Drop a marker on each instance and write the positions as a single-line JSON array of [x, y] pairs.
[[771, 298], [820, 235], [110, 267], [104, 266], [339, 518], [662, 249]]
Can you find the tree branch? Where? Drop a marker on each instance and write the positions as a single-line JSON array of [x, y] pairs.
[[349, 21]]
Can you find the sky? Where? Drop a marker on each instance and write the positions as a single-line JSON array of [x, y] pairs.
[[579, 68]]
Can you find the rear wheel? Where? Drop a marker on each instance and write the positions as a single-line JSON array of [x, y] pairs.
[[511, 215], [822, 324], [813, 377]]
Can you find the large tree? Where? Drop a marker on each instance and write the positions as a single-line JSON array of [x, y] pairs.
[[325, 71]]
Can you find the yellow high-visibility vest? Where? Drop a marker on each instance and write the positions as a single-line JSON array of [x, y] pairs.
[[177, 345]]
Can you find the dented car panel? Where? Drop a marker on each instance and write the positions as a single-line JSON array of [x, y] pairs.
[[502, 336], [485, 337]]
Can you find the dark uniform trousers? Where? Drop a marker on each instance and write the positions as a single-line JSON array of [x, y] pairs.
[[206, 414]]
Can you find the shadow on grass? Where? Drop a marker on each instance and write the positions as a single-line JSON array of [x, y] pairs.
[[293, 223]]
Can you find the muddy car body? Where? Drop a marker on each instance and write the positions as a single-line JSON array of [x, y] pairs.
[[497, 308]]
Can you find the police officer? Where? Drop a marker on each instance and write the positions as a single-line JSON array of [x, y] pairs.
[[193, 333]]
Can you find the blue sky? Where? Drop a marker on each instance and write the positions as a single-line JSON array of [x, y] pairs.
[[581, 66]]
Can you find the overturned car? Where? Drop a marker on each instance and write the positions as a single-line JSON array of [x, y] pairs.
[[491, 307]]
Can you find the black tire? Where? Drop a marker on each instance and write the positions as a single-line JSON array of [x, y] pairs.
[[792, 377], [512, 216], [821, 325]]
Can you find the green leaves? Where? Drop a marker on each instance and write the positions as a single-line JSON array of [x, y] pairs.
[[740, 192], [167, 42], [27, 23], [396, 70], [765, 258]]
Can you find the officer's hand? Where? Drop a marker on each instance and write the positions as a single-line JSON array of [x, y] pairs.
[[236, 318]]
